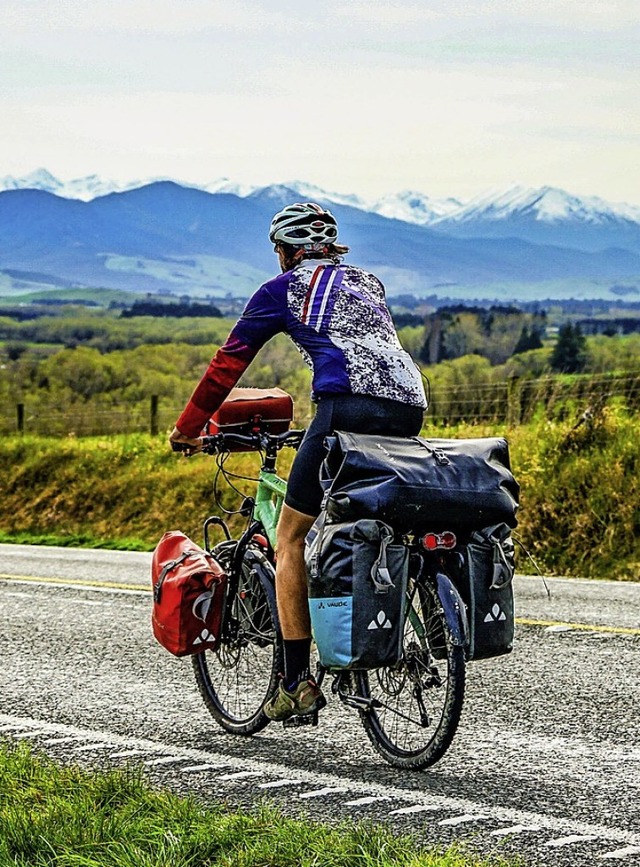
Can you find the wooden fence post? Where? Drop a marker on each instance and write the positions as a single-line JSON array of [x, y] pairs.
[[513, 401], [153, 425], [20, 418]]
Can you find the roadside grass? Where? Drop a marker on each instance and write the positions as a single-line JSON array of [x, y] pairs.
[[74, 540], [580, 490], [69, 817]]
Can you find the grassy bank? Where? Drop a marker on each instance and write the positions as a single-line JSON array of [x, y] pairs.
[[61, 815], [580, 512]]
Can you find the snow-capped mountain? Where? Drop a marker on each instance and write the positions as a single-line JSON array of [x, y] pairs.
[[546, 216], [226, 185], [166, 236], [40, 179], [414, 207], [408, 206], [546, 204], [542, 216], [85, 189]]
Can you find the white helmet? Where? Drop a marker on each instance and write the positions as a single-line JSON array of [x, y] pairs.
[[304, 225]]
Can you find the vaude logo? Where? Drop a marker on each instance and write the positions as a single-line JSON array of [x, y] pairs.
[[495, 615], [322, 605], [380, 622], [204, 637]]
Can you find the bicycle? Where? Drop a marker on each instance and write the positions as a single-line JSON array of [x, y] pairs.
[[411, 711]]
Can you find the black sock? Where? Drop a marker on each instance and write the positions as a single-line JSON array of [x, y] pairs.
[[296, 662]]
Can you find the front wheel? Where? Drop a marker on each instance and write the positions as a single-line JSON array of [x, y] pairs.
[[237, 678], [414, 707]]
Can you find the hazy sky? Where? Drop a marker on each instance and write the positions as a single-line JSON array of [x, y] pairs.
[[366, 97]]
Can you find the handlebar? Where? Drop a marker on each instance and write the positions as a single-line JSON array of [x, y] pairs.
[[224, 442]]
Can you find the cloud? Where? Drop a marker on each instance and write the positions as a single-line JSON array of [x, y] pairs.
[[359, 96]]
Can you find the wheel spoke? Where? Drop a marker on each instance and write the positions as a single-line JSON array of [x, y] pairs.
[[415, 706], [237, 678]]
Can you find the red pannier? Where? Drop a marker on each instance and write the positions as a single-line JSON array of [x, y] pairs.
[[249, 410], [188, 595]]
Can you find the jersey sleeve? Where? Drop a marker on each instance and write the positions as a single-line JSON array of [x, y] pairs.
[[262, 318]]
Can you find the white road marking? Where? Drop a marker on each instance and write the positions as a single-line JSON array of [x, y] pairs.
[[20, 594], [515, 829], [67, 740], [97, 746], [126, 753], [320, 793], [27, 734], [572, 838], [361, 802], [415, 808], [276, 784], [462, 820], [240, 775], [164, 760], [191, 768], [622, 853]]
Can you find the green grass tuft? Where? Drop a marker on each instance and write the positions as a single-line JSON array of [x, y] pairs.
[[68, 817]]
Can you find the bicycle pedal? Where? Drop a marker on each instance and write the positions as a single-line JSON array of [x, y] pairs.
[[308, 719]]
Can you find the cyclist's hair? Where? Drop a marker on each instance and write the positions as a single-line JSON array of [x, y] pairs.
[[294, 255]]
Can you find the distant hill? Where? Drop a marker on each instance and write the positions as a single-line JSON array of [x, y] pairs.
[[165, 237]]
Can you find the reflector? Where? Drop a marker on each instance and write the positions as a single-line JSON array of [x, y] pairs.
[[433, 541]]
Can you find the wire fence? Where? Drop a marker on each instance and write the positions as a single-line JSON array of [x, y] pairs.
[[513, 402]]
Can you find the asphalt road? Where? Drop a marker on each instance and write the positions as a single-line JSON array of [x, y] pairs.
[[546, 762]]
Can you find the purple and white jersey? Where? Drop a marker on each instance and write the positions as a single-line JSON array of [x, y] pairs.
[[338, 318]]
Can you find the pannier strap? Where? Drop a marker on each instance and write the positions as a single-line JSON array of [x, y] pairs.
[[380, 569], [168, 567], [440, 457], [502, 569]]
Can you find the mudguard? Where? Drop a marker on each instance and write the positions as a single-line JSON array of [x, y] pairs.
[[266, 574], [454, 611]]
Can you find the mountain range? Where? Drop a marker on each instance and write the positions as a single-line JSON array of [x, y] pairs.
[[162, 236]]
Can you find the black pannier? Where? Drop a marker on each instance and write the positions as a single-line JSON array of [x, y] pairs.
[[412, 482], [485, 582], [357, 578]]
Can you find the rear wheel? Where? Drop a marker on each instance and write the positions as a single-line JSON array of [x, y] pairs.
[[415, 706], [237, 678]]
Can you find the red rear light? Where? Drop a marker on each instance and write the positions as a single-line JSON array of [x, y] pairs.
[[434, 541]]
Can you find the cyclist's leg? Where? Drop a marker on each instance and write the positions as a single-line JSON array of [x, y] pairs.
[[291, 581], [302, 504], [298, 693]]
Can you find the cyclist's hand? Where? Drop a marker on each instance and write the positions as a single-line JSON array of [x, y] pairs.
[[187, 445]]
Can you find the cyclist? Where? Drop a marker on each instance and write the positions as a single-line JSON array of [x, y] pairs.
[[363, 382]]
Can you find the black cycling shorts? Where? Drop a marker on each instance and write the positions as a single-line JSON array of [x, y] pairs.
[[356, 413]]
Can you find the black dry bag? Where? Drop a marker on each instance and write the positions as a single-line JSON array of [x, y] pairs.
[[413, 482]]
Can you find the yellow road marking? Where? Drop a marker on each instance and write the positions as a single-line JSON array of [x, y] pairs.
[[590, 627], [114, 585], [77, 582]]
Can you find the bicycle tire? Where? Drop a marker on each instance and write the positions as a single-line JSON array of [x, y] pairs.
[[422, 696], [237, 678]]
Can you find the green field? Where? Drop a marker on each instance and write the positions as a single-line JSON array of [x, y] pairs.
[[580, 499], [69, 373]]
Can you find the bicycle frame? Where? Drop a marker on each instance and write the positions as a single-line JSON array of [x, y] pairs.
[[268, 501]]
